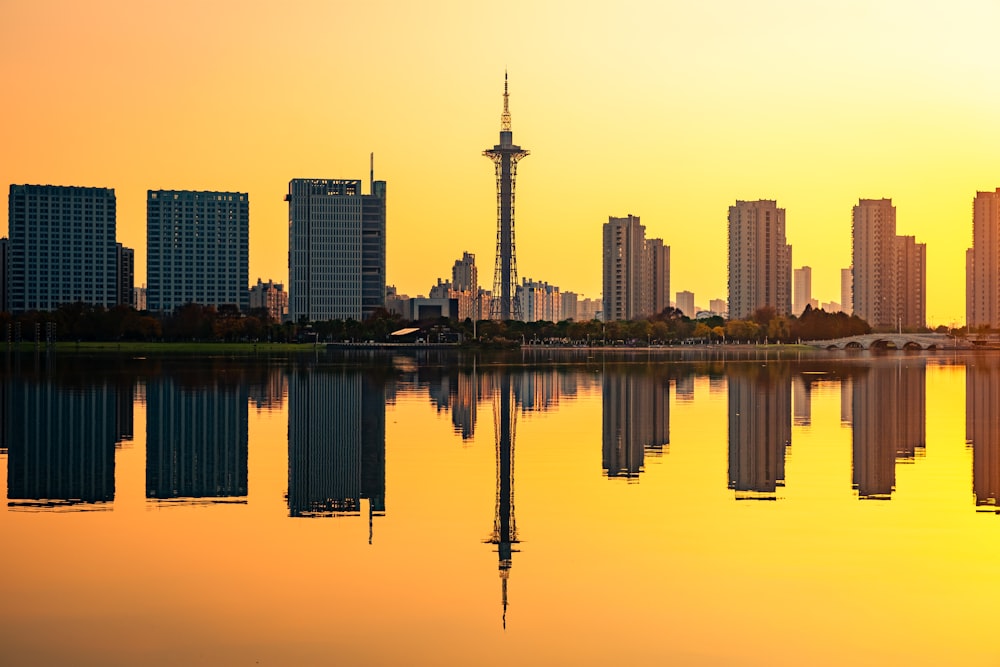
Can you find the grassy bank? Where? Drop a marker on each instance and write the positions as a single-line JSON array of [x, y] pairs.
[[169, 348]]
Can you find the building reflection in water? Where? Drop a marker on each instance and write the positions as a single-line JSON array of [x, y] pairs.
[[760, 428], [636, 420], [336, 443], [504, 534], [61, 442], [888, 412], [196, 440], [269, 390], [982, 429]]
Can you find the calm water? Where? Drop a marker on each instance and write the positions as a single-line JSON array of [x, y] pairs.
[[537, 510]]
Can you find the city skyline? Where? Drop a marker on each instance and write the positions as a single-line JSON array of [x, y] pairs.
[[668, 158]]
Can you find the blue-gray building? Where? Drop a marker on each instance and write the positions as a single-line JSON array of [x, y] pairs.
[[336, 249], [3, 274], [197, 249], [61, 247]]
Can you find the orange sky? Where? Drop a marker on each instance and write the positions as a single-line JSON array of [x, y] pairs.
[[670, 111]]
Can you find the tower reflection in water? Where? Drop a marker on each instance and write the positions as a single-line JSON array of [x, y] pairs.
[[336, 443], [60, 438], [504, 534], [760, 428], [196, 438]]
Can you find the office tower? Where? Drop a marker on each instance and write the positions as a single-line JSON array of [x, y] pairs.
[[658, 267], [847, 290], [760, 262], [197, 249], [3, 274], [636, 271], [336, 249], [196, 440], [718, 307], [982, 263], [801, 289], [61, 247], [126, 275], [505, 156], [911, 282], [270, 296], [685, 303], [874, 262], [760, 429]]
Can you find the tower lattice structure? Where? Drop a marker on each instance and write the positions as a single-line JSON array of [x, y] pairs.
[[505, 155]]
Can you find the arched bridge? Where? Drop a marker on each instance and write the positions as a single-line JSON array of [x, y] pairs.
[[900, 341]]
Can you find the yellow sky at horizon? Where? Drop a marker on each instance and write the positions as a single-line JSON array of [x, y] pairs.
[[663, 110]]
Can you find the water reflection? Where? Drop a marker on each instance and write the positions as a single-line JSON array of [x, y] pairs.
[[196, 439], [504, 533], [60, 441], [636, 419], [336, 442], [888, 409], [982, 429], [760, 428]]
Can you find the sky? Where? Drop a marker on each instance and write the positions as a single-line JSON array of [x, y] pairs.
[[667, 110]]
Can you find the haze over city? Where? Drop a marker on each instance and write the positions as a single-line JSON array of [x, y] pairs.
[[669, 112]]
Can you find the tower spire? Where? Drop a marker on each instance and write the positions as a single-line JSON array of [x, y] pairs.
[[505, 116]]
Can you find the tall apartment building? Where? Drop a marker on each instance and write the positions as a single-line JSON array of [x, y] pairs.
[[847, 290], [760, 262], [197, 249], [982, 263], [336, 249], [464, 275], [270, 296], [126, 275], [718, 306], [889, 271], [636, 271], [911, 282], [801, 289], [874, 244], [61, 247], [540, 301]]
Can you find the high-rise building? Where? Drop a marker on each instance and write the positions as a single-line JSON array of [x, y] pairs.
[[718, 306], [636, 271], [847, 290], [911, 282], [270, 296], [539, 301], [658, 263], [874, 262], [505, 156], [197, 249], [801, 289], [3, 274], [126, 275], [760, 262], [139, 298], [336, 249], [982, 263], [61, 247], [685, 303]]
